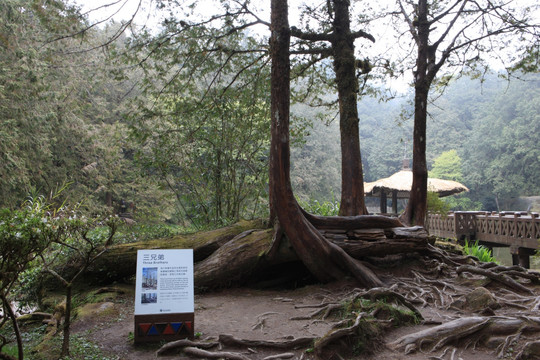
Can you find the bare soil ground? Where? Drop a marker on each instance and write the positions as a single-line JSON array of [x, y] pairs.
[[268, 315]]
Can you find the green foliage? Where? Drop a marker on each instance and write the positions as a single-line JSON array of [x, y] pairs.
[[437, 205], [490, 125], [143, 232], [24, 235], [81, 348], [31, 336], [38, 121], [447, 166], [61, 113], [204, 135], [502, 152], [325, 208], [65, 240], [462, 202], [481, 252]]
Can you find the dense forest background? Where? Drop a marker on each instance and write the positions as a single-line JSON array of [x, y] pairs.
[[82, 113], [487, 127]]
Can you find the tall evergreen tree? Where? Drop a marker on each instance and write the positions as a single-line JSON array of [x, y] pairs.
[[458, 34]]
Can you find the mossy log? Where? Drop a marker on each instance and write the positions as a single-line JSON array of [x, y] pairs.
[[242, 258], [245, 252], [120, 261]]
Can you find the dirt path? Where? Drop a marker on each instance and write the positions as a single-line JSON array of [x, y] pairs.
[[244, 313], [261, 315]]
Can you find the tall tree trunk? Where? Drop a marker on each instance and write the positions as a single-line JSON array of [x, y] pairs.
[[416, 209], [325, 260], [352, 179]]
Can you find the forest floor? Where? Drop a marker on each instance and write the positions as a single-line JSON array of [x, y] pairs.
[[251, 314]]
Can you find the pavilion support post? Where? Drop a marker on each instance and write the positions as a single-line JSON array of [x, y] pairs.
[[394, 201], [384, 208], [521, 256]]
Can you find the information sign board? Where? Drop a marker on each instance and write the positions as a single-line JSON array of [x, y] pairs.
[[164, 295]]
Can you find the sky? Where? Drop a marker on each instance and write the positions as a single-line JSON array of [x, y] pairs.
[[146, 15]]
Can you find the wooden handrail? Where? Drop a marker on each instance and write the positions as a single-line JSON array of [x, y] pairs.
[[507, 228]]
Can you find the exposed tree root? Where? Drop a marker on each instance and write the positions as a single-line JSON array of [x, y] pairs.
[[198, 349], [531, 350], [431, 283], [388, 295], [469, 330], [230, 340], [326, 308], [36, 316], [335, 335], [175, 346], [204, 354], [261, 319], [280, 356], [499, 277]]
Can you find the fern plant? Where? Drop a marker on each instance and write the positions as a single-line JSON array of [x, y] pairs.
[[483, 253]]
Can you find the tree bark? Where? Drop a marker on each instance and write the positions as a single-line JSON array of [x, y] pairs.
[[67, 322], [16, 330], [325, 260], [352, 178], [240, 260], [416, 209]]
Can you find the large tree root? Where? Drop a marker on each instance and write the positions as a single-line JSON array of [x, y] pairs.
[[230, 340], [327, 309], [469, 330], [531, 350], [199, 348], [499, 277], [387, 295], [204, 354], [175, 346], [335, 335]]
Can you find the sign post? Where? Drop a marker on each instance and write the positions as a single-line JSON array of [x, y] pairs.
[[164, 296]]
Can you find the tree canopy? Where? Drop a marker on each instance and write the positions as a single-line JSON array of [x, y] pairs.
[[64, 117]]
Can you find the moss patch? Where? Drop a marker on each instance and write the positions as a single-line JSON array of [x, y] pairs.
[[100, 309]]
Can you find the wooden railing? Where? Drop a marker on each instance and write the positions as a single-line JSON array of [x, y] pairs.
[[518, 230]]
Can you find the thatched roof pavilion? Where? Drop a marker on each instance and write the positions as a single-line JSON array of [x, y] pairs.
[[399, 187]]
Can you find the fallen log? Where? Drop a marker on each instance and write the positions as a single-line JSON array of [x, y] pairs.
[[124, 256], [240, 258], [243, 252]]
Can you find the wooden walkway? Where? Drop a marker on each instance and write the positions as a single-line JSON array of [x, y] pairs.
[[518, 230]]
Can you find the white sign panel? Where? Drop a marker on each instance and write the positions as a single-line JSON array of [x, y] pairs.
[[164, 282]]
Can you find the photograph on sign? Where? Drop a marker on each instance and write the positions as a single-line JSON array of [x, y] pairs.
[[164, 282]]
